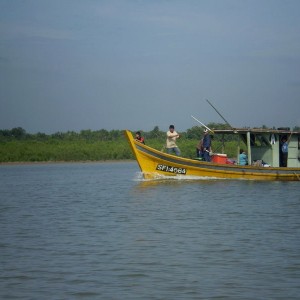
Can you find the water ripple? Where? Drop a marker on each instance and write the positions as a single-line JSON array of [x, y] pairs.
[[96, 231]]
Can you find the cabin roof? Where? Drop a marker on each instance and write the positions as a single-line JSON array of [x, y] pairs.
[[255, 131]]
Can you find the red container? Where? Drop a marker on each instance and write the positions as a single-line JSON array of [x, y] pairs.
[[219, 158]]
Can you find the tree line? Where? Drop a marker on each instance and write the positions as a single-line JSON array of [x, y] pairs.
[[18, 133]]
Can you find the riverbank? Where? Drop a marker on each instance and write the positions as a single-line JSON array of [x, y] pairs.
[[64, 162]]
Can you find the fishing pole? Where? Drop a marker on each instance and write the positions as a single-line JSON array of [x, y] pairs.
[[219, 114], [202, 124]]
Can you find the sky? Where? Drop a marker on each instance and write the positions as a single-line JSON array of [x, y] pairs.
[[71, 65]]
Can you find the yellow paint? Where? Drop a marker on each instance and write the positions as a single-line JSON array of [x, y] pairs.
[[148, 164]]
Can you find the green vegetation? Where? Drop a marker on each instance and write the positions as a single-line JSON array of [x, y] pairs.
[[16, 145], [30, 151]]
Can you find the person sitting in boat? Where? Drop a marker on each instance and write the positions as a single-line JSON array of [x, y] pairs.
[[171, 146], [199, 149], [243, 158], [139, 138], [206, 146]]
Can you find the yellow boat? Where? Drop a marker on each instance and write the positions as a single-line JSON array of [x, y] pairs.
[[262, 145]]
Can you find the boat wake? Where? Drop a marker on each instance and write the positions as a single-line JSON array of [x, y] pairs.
[[142, 177]]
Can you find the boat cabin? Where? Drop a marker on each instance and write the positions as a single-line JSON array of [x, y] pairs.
[[265, 145]]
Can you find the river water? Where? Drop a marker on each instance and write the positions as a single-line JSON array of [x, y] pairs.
[[98, 231]]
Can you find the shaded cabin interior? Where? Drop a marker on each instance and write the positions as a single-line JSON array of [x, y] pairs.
[[264, 144]]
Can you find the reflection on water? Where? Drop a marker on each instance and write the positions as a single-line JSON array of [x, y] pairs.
[[99, 231]]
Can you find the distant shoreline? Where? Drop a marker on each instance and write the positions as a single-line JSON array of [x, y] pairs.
[[64, 162]]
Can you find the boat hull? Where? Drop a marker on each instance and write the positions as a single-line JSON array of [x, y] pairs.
[[154, 163]]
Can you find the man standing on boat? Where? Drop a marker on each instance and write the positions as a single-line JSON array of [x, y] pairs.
[[206, 145], [284, 152], [171, 146]]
